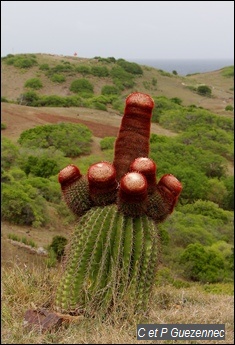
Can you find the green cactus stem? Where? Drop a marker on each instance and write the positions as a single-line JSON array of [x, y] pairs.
[[112, 261], [112, 257]]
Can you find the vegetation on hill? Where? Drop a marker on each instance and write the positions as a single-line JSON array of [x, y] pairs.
[[85, 79]]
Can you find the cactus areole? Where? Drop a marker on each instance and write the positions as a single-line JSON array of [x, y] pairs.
[[112, 256]]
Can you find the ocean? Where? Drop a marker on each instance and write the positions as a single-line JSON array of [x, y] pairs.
[[184, 67]]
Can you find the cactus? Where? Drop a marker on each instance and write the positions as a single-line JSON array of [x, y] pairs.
[[112, 256]]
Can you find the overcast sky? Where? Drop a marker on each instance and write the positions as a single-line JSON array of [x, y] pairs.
[[122, 29]]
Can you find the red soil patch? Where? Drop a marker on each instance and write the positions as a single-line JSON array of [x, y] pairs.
[[97, 129]]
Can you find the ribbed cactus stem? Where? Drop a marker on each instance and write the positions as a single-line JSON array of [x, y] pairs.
[[102, 183], [75, 190], [133, 137], [106, 263]]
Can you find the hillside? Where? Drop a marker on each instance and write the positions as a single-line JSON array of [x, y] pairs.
[[153, 81]]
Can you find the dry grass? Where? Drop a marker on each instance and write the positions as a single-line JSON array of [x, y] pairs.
[[24, 288]]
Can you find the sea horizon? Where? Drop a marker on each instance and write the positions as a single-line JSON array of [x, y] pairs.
[[186, 66]]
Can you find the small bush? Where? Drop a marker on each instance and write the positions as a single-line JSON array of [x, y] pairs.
[[83, 69], [33, 83], [44, 67], [100, 71], [229, 107], [62, 68], [154, 81], [29, 98], [107, 143], [58, 78], [21, 60], [130, 67], [204, 90], [202, 264], [9, 154], [3, 126], [110, 90], [50, 190], [176, 100], [22, 205], [58, 245], [81, 85]]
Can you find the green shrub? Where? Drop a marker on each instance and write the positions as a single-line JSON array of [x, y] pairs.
[[3, 126], [9, 154], [176, 100], [99, 71], [21, 60], [209, 209], [179, 119], [58, 245], [72, 139], [107, 143], [204, 90], [81, 85], [41, 166], [121, 78], [29, 98], [22, 205], [154, 81], [229, 107], [33, 83], [99, 106], [110, 90], [44, 67], [219, 288], [62, 68], [83, 69], [51, 260], [58, 78], [49, 190], [202, 264], [130, 67], [16, 173], [228, 203], [4, 99], [174, 72]]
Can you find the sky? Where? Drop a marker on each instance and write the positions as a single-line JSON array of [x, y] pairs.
[[120, 29]]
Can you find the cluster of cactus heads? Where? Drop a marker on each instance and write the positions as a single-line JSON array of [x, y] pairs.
[[113, 254]]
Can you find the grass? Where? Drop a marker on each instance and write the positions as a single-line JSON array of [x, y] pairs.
[[24, 288], [23, 239]]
